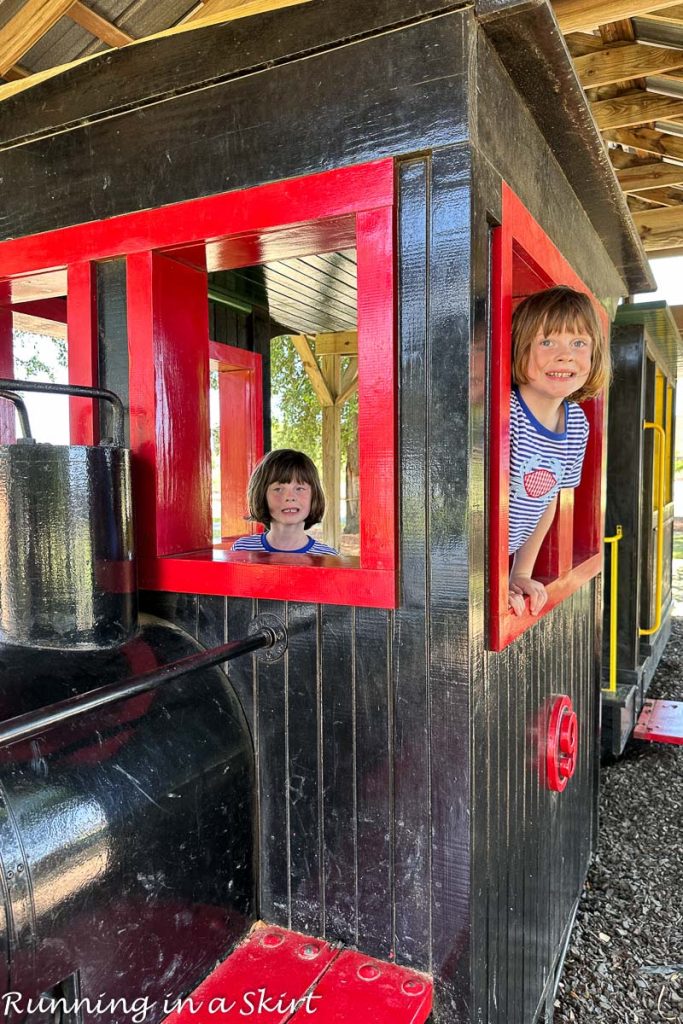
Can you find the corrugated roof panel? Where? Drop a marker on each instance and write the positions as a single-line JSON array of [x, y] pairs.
[[67, 41], [8, 8], [64, 42]]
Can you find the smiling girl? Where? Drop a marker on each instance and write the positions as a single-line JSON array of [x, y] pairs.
[[285, 495], [559, 358]]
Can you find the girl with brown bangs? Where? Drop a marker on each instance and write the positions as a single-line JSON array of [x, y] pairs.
[[286, 496], [559, 358]]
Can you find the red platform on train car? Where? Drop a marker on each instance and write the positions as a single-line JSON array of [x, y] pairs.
[[660, 720], [276, 975]]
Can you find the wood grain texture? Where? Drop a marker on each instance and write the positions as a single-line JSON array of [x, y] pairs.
[[647, 139], [27, 26], [583, 15], [617, 63], [654, 175], [660, 229], [98, 26], [625, 111]]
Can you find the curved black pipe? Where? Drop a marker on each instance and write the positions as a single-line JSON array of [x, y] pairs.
[[22, 412], [24, 726], [77, 391]]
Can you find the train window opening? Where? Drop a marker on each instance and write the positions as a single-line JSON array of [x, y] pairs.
[[158, 300], [295, 348], [33, 346], [526, 261], [314, 406]]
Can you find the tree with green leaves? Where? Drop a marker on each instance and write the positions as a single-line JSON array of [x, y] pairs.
[[297, 418]]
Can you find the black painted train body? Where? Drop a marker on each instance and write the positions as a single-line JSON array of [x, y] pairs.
[[388, 765]]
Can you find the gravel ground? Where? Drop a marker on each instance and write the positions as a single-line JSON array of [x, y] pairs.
[[625, 961]]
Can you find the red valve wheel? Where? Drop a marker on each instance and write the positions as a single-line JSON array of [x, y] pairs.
[[562, 743]]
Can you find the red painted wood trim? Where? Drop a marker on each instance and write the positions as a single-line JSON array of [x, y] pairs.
[[275, 577], [43, 309], [181, 373], [377, 390], [231, 356], [82, 352], [558, 590], [240, 389], [301, 200], [141, 397], [573, 549], [315, 213]]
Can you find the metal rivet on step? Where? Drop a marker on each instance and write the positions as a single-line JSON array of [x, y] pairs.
[[368, 972], [309, 951]]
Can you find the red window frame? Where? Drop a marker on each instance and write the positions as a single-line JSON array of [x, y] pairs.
[[166, 251], [240, 401], [524, 259]]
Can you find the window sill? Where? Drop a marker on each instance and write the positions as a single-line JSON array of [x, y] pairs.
[[324, 579], [512, 626]]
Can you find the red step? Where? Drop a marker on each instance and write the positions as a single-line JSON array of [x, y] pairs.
[[660, 720], [276, 976]]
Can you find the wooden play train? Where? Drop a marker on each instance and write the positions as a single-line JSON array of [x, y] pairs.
[[412, 783]]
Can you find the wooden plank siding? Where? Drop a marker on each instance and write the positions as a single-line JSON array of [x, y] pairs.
[[398, 802]]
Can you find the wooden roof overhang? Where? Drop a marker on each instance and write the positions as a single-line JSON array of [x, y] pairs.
[[567, 98]]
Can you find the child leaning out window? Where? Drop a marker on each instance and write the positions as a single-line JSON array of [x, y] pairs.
[[559, 357], [285, 494]]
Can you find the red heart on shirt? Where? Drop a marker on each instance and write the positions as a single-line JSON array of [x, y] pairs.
[[539, 482]]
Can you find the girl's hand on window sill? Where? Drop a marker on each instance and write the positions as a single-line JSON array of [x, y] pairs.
[[521, 586]]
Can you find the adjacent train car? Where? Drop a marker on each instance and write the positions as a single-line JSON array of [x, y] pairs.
[[416, 777], [646, 347]]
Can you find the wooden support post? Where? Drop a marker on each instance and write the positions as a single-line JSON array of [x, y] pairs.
[[331, 371]]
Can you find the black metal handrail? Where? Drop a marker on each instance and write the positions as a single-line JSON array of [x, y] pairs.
[[22, 412], [76, 391], [33, 722]]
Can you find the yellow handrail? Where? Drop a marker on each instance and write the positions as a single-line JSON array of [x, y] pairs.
[[613, 602], [661, 438]]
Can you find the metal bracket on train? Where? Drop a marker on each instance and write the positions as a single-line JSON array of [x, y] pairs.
[[276, 627]]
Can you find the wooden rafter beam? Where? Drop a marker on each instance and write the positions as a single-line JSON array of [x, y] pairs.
[[581, 43], [668, 15], [313, 371], [618, 63], [655, 175], [16, 73], [338, 343], [663, 196], [635, 109], [98, 26], [218, 8], [584, 15], [348, 383], [660, 229], [27, 26], [648, 140]]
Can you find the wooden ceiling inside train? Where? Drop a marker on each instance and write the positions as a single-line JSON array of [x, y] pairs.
[[628, 56]]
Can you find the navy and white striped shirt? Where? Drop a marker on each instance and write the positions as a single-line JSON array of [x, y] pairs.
[[258, 542], [541, 462]]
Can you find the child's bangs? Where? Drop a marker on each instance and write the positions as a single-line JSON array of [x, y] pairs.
[[290, 467], [573, 321]]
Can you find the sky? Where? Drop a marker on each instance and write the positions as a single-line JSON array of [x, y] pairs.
[[668, 274]]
